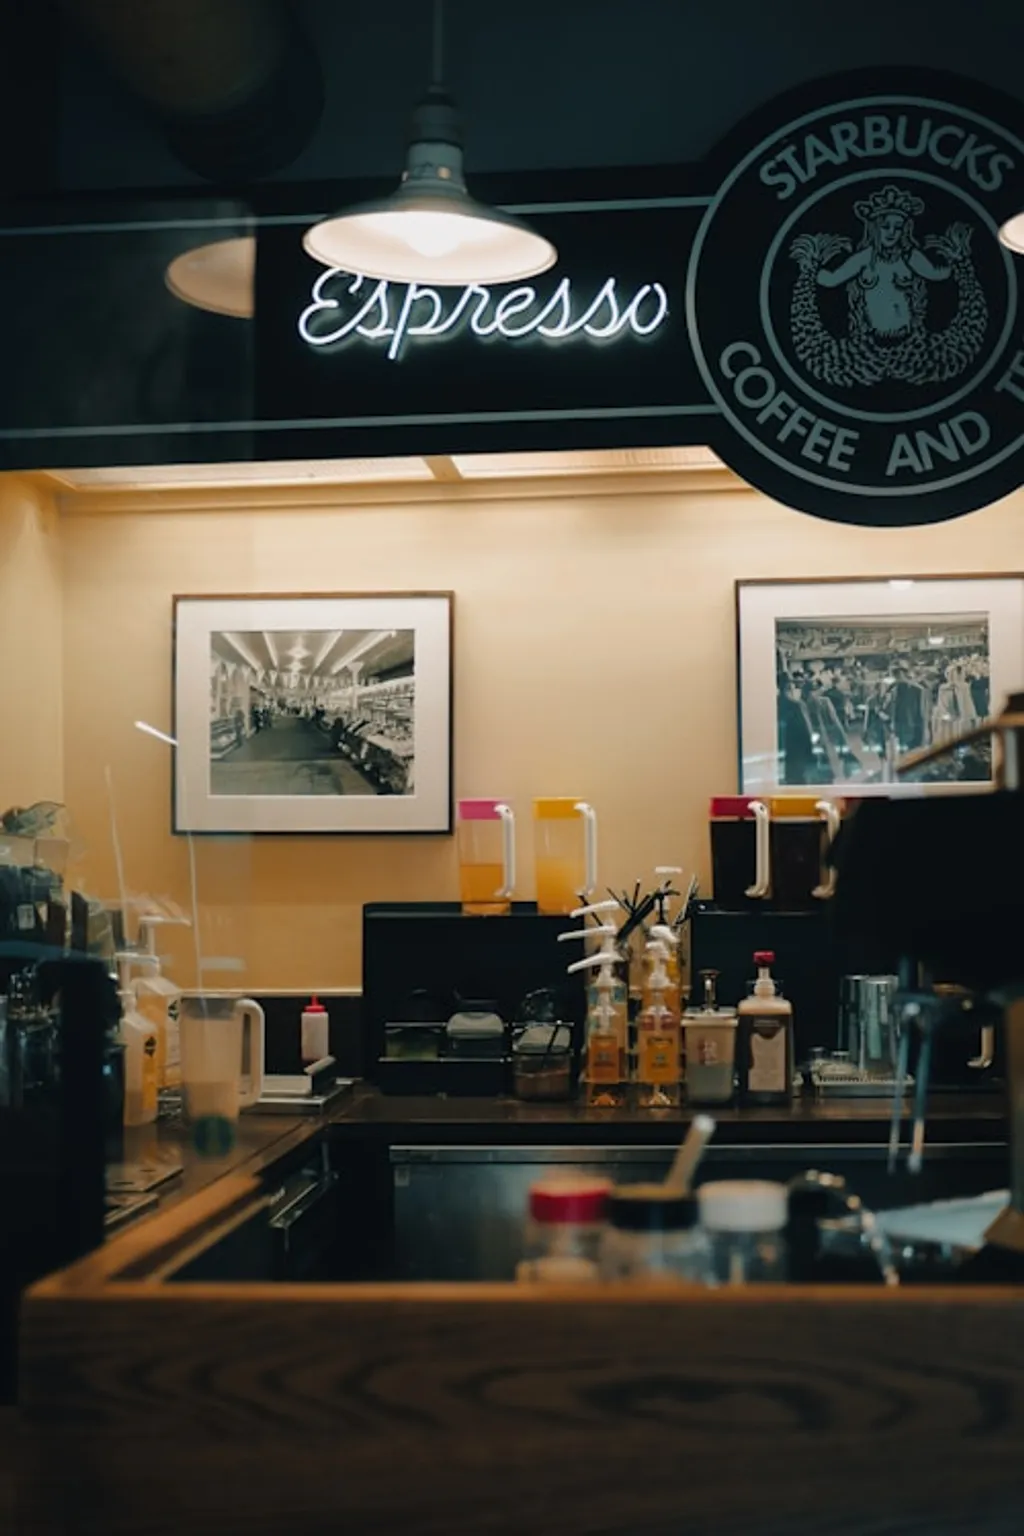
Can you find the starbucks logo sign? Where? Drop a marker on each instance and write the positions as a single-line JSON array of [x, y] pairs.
[[854, 315]]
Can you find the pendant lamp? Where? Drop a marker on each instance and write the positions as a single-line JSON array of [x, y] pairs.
[[218, 277], [1012, 234], [429, 230]]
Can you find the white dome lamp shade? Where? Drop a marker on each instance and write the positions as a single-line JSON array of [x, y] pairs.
[[218, 277], [430, 230]]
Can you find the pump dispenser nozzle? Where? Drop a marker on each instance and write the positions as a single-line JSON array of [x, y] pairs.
[[589, 962], [125, 959], [149, 922], [665, 887], [587, 933], [596, 906], [608, 952], [658, 980]]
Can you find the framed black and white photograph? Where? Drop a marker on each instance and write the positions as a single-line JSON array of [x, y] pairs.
[[839, 681], [313, 714]]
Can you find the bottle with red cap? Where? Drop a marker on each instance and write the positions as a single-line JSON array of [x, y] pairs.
[[315, 1031], [563, 1235], [764, 1044]]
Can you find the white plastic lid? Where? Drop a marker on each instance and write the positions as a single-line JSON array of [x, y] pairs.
[[743, 1205]]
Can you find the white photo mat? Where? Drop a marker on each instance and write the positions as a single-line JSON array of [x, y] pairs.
[[762, 605], [427, 808]]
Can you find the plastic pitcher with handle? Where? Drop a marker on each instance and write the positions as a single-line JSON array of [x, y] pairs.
[[487, 856], [222, 1043], [565, 843]]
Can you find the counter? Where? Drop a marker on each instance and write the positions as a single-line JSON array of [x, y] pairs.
[[260, 1140], [966, 1124], [953, 1117], [492, 1409]]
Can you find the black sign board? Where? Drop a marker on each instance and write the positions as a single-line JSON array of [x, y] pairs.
[[601, 338], [825, 303], [854, 315]]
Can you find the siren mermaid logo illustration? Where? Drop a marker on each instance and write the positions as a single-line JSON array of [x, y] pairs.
[[890, 279], [853, 314]]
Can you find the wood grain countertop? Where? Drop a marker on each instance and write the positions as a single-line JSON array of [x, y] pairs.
[[251, 1409]]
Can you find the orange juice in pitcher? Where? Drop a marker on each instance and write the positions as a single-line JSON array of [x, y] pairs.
[[487, 862], [565, 842]]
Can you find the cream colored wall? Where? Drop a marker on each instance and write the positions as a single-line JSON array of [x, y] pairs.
[[31, 653], [594, 656]]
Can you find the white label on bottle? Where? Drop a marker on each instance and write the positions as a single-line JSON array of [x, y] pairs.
[[767, 1072], [315, 1038]]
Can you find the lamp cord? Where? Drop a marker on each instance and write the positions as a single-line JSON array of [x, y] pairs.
[[437, 66]]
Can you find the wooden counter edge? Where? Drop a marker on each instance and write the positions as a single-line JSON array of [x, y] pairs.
[[149, 1241], [454, 1293], [604, 1408], [180, 1218]]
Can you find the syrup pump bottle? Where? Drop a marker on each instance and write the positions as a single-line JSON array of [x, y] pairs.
[[658, 1071], [605, 1071], [670, 942], [610, 956]]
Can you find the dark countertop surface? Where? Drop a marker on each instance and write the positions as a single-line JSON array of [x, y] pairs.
[[952, 1117], [260, 1141], [368, 1115]]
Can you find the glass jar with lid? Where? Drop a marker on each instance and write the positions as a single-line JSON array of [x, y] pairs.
[[563, 1233], [745, 1221], [654, 1234]]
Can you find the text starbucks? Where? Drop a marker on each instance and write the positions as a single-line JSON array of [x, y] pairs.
[[879, 135]]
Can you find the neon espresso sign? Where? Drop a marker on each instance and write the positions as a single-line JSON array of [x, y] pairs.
[[345, 307]]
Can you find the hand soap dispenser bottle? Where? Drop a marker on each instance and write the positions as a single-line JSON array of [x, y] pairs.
[[158, 1001], [140, 1052], [764, 1045], [658, 1071]]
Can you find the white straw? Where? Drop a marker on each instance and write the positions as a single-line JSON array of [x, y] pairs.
[[194, 890], [151, 730], [691, 1150], [118, 859], [171, 741]]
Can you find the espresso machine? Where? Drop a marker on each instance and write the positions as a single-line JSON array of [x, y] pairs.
[[938, 878]]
